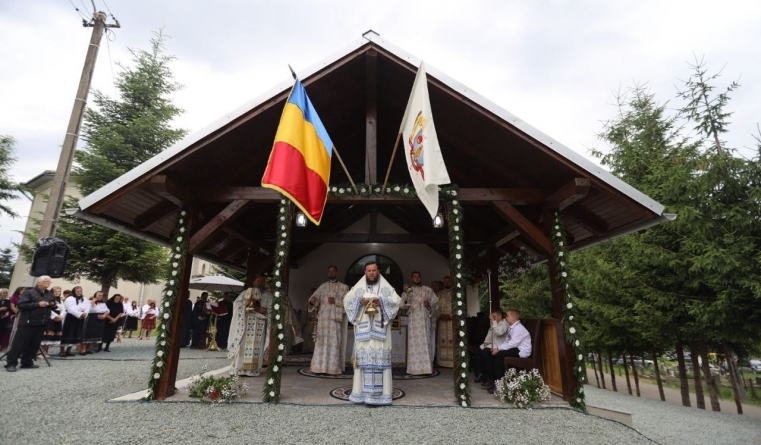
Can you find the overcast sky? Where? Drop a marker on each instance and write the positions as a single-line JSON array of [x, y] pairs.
[[555, 64]]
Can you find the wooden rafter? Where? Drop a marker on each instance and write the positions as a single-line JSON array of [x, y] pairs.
[[573, 191], [533, 234], [150, 217], [391, 238], [204, 235], [371, 117], [586, 219], [165, 187]]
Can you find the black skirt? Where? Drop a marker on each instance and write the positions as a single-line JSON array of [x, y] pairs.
[[72, 330], [130, 324], [109, 330], [93, 331]]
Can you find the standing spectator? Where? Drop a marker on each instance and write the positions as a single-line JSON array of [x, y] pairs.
[[200, 321], [113, 320], [187, 322], [34, 306], [150, 313], [77, 309], [96, 322], [5, 316], [223, 322], [54, 324], [14, 299], [130, 322]]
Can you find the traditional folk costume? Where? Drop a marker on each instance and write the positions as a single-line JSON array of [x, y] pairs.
[[109, 331], [73, 326], [130, 321], [421, 332], [330, 347], [373, 383], [445, 343], [249, 332], [94, 325], [150, 313], [53, 328]]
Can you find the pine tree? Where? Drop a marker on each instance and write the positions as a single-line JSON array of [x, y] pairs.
[[7, 263], [120, 135], [8, 187]]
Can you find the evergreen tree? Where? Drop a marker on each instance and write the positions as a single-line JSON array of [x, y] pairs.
[[8, 187], [7, 263], [120, 135]]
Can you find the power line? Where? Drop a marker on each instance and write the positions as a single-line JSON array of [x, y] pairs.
[[85, 8], [84, 18], [110, 33], [109, 10]]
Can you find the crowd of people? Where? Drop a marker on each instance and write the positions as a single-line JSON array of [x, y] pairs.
[[32, 320]]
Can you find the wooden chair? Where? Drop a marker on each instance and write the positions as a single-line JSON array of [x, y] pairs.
[[534, 327]]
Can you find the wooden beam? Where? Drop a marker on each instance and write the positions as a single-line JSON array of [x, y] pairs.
[[231, 250], [573, 191], [147, 219], [165, 386], [371, 117], [533, 234], [165, 187], [586, 219], [203, 235], [225, 194], [391, 238], [515, 196]]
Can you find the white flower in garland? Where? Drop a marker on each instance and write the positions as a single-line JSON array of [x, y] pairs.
[[454, 202], [581, 356], [276, 306], [458, 275], [458, 256], [175, 264], [277, 293], [334, 189], [560, 253], [166, 304], [160, 354], [166, 316], [341, 190], [577, 343], [171, 282], [462, 345], [396, 189], [277, 316], [462, 353], [459, 303], [462, 334], [163, 343], [280, 336], [270, 381], [462, 386], [465, 404], [156, 376], [564, 274], [275, 368], [406, 190], [456, 228], [281, 253], [282, 210], [282, 218], [462, 322], [279, 358], [462, 396], [455, 211], [169, 293], [463, 366], [280, 325], [571, 317], [174, 272], [459, 312], [160, 364], [280, 346], [282, 243], [459, 294], [179, 238], [177, 248], [581, 389], [572, 330], [163, 334], [272, 393], [278, 284], [569, 305]]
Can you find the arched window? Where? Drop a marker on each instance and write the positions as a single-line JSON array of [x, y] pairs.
[[386, 266]]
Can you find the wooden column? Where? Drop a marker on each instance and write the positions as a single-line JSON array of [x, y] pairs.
[[371, 117], [251, 265], [496, 295], [165, 387], [565, 351]]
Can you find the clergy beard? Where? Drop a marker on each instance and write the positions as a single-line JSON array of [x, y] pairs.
[[261, 288], [369, 281]]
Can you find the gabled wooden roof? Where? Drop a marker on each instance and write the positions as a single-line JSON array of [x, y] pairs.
[[510, 174]]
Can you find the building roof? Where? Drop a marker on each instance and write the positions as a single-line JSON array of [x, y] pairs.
[[361, 93]]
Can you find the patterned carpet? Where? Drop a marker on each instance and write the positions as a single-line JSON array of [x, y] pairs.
[[343, 393], [398, 373]]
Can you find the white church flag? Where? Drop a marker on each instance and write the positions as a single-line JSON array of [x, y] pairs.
[[422, 151]]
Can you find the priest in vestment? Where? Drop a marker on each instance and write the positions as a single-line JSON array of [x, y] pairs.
[[445, 340], [371, 305], [330, 347], [422, 309], [249, 330]]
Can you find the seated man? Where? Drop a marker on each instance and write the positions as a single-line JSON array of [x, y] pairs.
[[517, 343], [496, 336]]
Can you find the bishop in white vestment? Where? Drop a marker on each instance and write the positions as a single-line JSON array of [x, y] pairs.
[[371, 305]]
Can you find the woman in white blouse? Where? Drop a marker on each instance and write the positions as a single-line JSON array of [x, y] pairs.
[[150, 314], [77, 308], [95, 323]]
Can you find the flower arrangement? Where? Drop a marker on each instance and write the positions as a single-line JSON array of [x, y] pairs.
[[522, 388], [212, 389]]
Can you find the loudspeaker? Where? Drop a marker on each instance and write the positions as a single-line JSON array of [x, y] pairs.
[[50, 255]]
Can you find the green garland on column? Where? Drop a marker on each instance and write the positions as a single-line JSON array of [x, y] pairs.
[[455, 217], [171, 291], [560, 250], [271, 390]]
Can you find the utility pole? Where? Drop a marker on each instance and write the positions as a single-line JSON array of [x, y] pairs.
[[61, 178]]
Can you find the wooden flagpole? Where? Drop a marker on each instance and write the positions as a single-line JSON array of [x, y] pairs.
[[391, 162], [345, 170]]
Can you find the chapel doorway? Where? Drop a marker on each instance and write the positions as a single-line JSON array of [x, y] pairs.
[[387, 267]]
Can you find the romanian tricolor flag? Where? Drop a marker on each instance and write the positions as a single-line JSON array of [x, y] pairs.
[[299, 165]]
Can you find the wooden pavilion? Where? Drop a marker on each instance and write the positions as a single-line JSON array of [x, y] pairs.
[[511, 177]]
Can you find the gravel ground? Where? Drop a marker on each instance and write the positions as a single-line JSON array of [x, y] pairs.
[[67, 404]]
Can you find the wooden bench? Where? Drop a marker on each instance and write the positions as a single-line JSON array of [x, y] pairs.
[[534, 328]]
